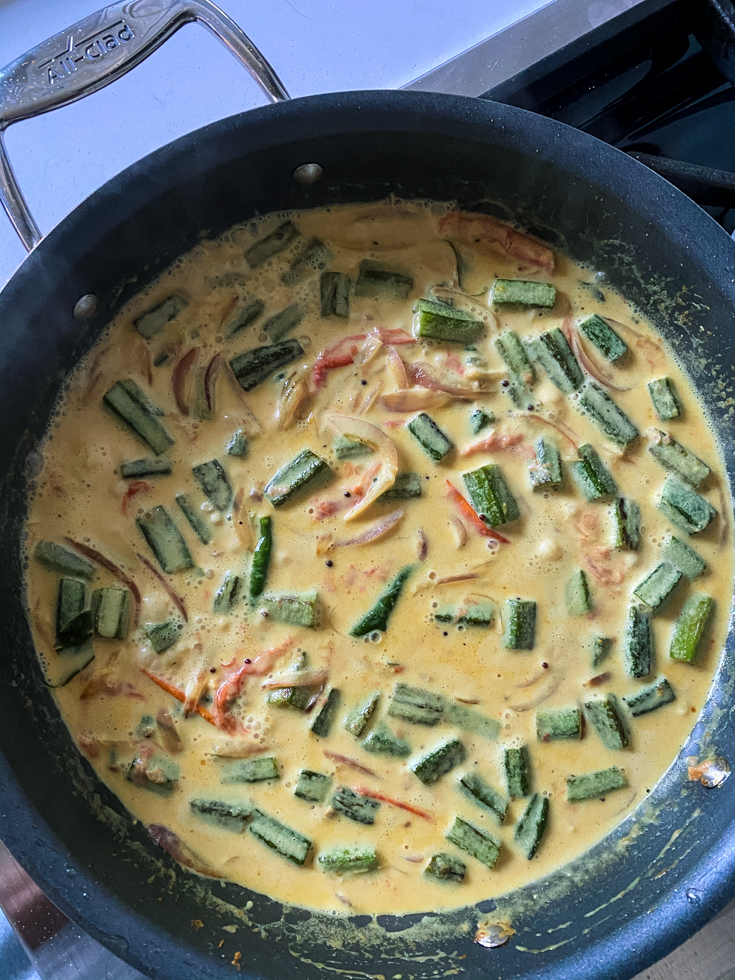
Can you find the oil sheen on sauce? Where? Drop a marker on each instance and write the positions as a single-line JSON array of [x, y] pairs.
[[80, 495]]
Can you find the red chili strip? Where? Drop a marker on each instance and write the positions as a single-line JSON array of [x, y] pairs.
[[174, 596], [136, 487], [374, 795], [470, 515], [178, 694]]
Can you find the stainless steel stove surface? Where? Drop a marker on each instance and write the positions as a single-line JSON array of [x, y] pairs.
[[651, 77]]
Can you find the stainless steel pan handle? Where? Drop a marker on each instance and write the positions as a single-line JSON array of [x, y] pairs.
[[96, 51]]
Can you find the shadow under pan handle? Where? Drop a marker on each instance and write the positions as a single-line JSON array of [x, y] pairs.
[[96, 51]]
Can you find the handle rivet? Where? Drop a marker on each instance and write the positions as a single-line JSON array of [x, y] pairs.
[[86, 307], [308, 173]]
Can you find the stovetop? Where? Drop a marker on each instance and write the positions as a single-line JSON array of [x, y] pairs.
[[648, 76]]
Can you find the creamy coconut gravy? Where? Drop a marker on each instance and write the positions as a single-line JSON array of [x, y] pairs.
[[255, 687]]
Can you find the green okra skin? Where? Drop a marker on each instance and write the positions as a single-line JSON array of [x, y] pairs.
[[243, 316], [220, 813], [249, 770], [252, 367], [377, 617], [162, 636], [298, 698], [227, 594], [440, 321], [111, 612], [490, 495], [593, 785], [522, 292], [214, 484], [480, 614], [334, 294], [165, 540], [197, 523], [382, 741], [282, 323], [145, 467], [296, 610], [158, 774], [546, 472], [577, 594], [556, 723], [359, 718], [446, 868], [438, 761], [625, 517], [377, 283], [600, 649], [407, 486], [261, 559], [553, 353], [238, 445], [592, 476], [467, 720], [483, 795], [665, 400], [74, 620], [638, 643], [137, 393], [510, 347], [656, 589], [603, 714], [691, 627], [650, 698], [532, 825], [153, 321], [283, 840], [353, 859], [296, 478], [517, 771], [312, 786], [123, 399], [684, 507], [324, 718], [599, 332], [312, 258], [353, 805], [478, 843], [57, 558], [520, 624], [271, 245], [435, 443], [594, 403], [346, 448], [678, 459], [480, 419], [416, 705], [683, 557]]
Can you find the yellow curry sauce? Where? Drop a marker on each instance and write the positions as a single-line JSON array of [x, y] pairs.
[[123, 708]]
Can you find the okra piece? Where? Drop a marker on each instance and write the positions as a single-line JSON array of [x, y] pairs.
[[165, 540], [111, 612], [665, 400], [359, 718], [145, 467], [477, 843], [546, 472], [356, 807], [227, 594], [299, 698], [468, 720], [271, 245], [238, 445], [601, 646], [691, 627], [655, 590], [228, 816], [382, 741], [445, 867], [157, 773], [521, 292], [312, 258], [626, 523], [520, 624], [137, 393], [334, 294], [603, 713], [532, 826], [379, 283], [377, 617], [490, 496], [214, 484], [261, 559], [556, 723], [553, 353], [593, 785], [649, 698], [516, 768], [74, 621], [600, 409], [510, 347], [346, 448], [679, 460], [599, 332], [138, 416], [440, 321], [162, 636], [592, 476], [683, 557], [684, 507], [354, 859], [153, 321], [283, 840], [430, 437], [638, 643], [296, 610], [577, 594], [296, 478], [312, 786], [252, 367], [197, 523], [416, 705], [324, 718], [439, 761], [481, 793], [480, 419], [278, 325], [479, 614], [407, 486], [249, 770], [244, 316], [57, 558]]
